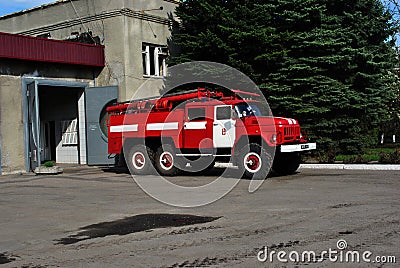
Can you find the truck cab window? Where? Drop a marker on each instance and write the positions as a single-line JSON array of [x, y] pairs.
[[224, 113], [196, 114], [246, 110]]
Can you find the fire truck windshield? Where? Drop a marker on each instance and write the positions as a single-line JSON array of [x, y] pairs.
[[247, 109]]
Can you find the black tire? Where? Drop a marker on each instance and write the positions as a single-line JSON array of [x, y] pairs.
[[140, 160], [254, 162], [120, 161], [286, 163], [165, 161]]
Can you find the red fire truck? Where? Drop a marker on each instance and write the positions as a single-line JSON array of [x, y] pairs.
[[192, 130]]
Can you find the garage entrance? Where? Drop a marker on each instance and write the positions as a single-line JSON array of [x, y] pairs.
[[59, 129], [65, 122], [55, 118]]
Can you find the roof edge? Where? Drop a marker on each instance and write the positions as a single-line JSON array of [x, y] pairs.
[[17, 13], [21, 12]]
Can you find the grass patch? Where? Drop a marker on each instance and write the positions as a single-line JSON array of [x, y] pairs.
[[357, 158], [370, 155], [380, 150], [49, 164]]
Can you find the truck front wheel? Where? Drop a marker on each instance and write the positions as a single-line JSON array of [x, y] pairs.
[[254, 162], [286, 163], [140, 160], [165, 161]]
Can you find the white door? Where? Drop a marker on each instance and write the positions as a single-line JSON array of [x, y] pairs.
[[224, 131]]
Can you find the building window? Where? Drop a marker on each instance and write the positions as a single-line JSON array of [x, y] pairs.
[[154, 60], [69, 132]]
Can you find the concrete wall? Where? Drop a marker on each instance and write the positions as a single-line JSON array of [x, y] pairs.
[[136, 33], [11, 125], [121, 33]]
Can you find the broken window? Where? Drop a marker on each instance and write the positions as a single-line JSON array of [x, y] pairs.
[[154, 60]]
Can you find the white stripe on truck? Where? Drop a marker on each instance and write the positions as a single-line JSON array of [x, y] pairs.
[[162, 126], [124, 128]]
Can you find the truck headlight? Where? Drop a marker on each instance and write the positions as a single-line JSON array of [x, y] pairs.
[[274, 138]]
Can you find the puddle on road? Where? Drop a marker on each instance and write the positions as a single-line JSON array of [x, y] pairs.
[[5, 259], [138, 223]]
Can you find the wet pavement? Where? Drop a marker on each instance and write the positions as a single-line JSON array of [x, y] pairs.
[[92, 217]]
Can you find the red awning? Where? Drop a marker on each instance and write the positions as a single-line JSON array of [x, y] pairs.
[[13, 46]]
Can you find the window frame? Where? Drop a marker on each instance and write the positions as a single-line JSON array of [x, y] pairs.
[[151, 56]]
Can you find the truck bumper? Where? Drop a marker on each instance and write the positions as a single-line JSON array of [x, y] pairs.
[[302, 147]]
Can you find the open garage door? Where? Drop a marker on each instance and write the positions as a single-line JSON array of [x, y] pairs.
[[97, 99], [33, 125]]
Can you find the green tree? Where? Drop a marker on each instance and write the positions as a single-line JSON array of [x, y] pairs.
[[393, 7], [393, 125], [327, 63]]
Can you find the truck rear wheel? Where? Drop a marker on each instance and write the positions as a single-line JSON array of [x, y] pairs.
[[254, 162], [140, 160], [286, 163], [165, 161]]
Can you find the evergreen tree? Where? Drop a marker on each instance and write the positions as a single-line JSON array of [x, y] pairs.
[[393, 126], [324, 62]]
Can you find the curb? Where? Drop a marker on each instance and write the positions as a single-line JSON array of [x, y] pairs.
[[55, 170], [336, 166], [351, 166]]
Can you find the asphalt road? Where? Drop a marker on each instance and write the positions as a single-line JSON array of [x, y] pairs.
[[89, 217]]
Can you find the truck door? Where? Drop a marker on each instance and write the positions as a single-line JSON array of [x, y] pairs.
[[196, 129], [224, 127]]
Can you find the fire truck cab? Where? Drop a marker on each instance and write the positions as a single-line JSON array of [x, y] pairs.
[[191, 130]]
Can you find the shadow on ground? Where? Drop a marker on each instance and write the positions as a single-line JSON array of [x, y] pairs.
[[138, 223], [214, 172]]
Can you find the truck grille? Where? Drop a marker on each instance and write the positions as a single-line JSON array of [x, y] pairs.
[[291, 132]]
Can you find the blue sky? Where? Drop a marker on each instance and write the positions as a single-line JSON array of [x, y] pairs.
[[9, 6]]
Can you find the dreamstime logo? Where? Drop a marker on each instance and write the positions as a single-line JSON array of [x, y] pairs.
[[338, 255], [159, 187], [341, 244]]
